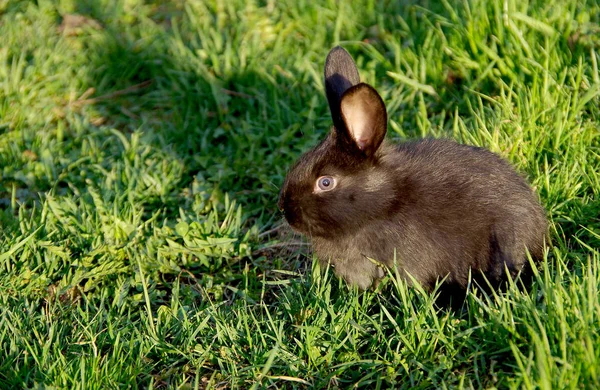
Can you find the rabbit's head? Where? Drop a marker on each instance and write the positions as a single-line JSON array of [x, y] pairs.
[[342, 183]]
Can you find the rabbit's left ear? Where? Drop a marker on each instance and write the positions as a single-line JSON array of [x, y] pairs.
[[364, 117], [340, 75]]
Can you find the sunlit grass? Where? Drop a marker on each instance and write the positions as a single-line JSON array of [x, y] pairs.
[[141, 153]]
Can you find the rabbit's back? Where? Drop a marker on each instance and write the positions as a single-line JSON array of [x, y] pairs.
[[461, 208]]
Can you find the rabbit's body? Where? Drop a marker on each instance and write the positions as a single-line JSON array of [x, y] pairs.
[[441, 209], [441, 221]]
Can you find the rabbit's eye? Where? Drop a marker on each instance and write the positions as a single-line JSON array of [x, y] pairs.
[[325, 183]]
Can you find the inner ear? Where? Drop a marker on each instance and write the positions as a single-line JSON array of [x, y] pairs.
[[365, 117]]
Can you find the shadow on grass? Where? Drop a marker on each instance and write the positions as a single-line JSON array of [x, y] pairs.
[[229, 127]]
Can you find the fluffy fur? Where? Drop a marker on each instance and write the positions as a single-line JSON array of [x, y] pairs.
[[441, 209]]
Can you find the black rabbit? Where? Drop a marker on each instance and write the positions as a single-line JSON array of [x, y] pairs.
[[441, 209]]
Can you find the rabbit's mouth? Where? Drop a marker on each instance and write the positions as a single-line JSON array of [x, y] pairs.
[[296, 218], [302, 223]]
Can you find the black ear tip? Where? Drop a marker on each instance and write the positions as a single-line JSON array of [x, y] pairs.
[[340, 71], [338, 55], [337, 50]]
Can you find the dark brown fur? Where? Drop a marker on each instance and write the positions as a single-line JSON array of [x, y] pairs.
[[440, 208]]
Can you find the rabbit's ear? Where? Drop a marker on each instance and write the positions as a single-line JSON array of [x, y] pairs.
[[340, 75], [364, 117]]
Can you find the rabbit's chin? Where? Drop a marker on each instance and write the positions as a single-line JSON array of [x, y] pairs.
[[309, 227], [299, 229], [309, 231], [298, 225]]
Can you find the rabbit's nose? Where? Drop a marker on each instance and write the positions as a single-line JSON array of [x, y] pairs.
[[291, 212], [282, 198]]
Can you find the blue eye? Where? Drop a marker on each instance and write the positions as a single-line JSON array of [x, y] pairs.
[[325, 183]]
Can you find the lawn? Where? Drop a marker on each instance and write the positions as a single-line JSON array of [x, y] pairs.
[[142, 147]]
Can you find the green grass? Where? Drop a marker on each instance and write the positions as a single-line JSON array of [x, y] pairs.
[[140, 160]]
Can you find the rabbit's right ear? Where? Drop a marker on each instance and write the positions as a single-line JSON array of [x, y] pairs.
[[365, 118], [340, 75]]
